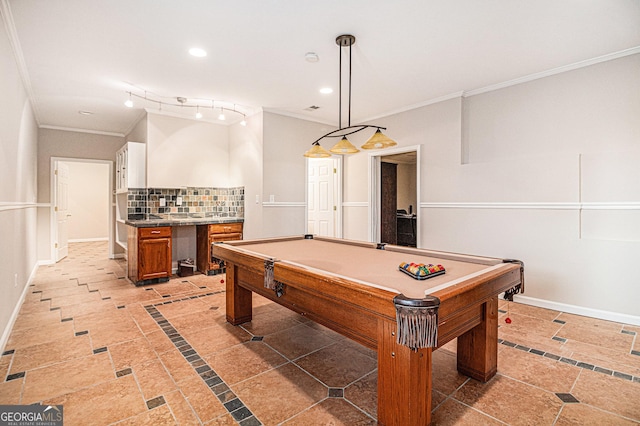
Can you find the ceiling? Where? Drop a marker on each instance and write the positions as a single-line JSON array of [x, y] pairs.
[[85, 55]]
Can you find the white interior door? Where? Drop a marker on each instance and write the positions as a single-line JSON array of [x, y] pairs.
[[61, 209], [321, 197]]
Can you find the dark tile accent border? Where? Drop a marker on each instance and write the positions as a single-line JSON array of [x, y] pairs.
[[66, 319], [123, 373], [9, 352], [15, 376], [81, 333], [631, 333], [557, 321], [635, 353], [573, 362], [257, 338], [336, 393], [100, 350], [156, 402], [231, 402], [559, 339], [567, 398]]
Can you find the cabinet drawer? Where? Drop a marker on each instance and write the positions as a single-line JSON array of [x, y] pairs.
[[214, 238], [225, 228], [159, 232]]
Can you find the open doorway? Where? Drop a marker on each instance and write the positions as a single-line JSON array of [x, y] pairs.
[[324, 197], [395, 200], [82, 203]]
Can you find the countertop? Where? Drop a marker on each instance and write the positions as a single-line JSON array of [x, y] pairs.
[[184, 219]]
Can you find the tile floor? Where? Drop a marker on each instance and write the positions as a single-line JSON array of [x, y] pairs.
[[113, 353]]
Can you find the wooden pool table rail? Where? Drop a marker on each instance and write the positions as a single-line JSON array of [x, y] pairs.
[[468, 310]]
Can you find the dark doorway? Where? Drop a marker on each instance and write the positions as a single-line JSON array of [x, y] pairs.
[[388, 202], [398, 199]]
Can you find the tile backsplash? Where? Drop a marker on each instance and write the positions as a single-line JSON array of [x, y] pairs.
[[222, 202]]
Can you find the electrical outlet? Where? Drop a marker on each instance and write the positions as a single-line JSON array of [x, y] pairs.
[[272, 198]]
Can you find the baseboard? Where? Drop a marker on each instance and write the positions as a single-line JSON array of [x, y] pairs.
[[16, 310], [87, 240], [579, 310], [46, 262]]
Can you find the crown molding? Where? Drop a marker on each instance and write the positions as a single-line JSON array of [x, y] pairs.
[[298, 116], [73, 129], [12, 35], [439, 99], [135, 122], [554, 71]]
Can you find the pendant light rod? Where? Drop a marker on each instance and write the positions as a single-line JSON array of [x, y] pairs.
[[377, 141], [350, 44], [339, 85]]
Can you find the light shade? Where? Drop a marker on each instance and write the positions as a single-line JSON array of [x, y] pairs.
[[379, 140], [317, 151], [344, 147]]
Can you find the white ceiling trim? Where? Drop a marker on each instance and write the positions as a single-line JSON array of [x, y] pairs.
[[554, 71], [135, 123], [418, 105], [473, 92], [298, 116], [12, 34], [71, 129]]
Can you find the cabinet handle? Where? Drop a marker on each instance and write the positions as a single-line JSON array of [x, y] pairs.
[[155, 232]]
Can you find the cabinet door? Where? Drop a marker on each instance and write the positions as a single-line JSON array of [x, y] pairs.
[[154, 258]]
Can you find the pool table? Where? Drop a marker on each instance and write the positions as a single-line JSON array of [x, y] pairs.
[[356, 289]]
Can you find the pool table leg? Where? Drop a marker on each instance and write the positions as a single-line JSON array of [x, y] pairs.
[[239, 300], [404, 380], [478, 347]]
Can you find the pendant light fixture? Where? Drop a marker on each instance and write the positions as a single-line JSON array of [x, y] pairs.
[[377, 141]]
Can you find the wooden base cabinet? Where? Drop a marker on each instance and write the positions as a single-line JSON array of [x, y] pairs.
[[213, 233], [149, 254]]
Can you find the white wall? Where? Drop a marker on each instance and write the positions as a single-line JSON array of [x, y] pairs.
[[183, 152], [18, 189], [65, 144], [89, 201], [284, 173], [246, 169], [545, 172]]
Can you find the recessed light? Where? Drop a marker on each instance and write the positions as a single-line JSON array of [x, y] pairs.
[[197, 52], [326, 90], [311, 57], [85, 112]]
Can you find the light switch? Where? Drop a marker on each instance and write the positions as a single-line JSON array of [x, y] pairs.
[[257, 199], [272, 198]]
